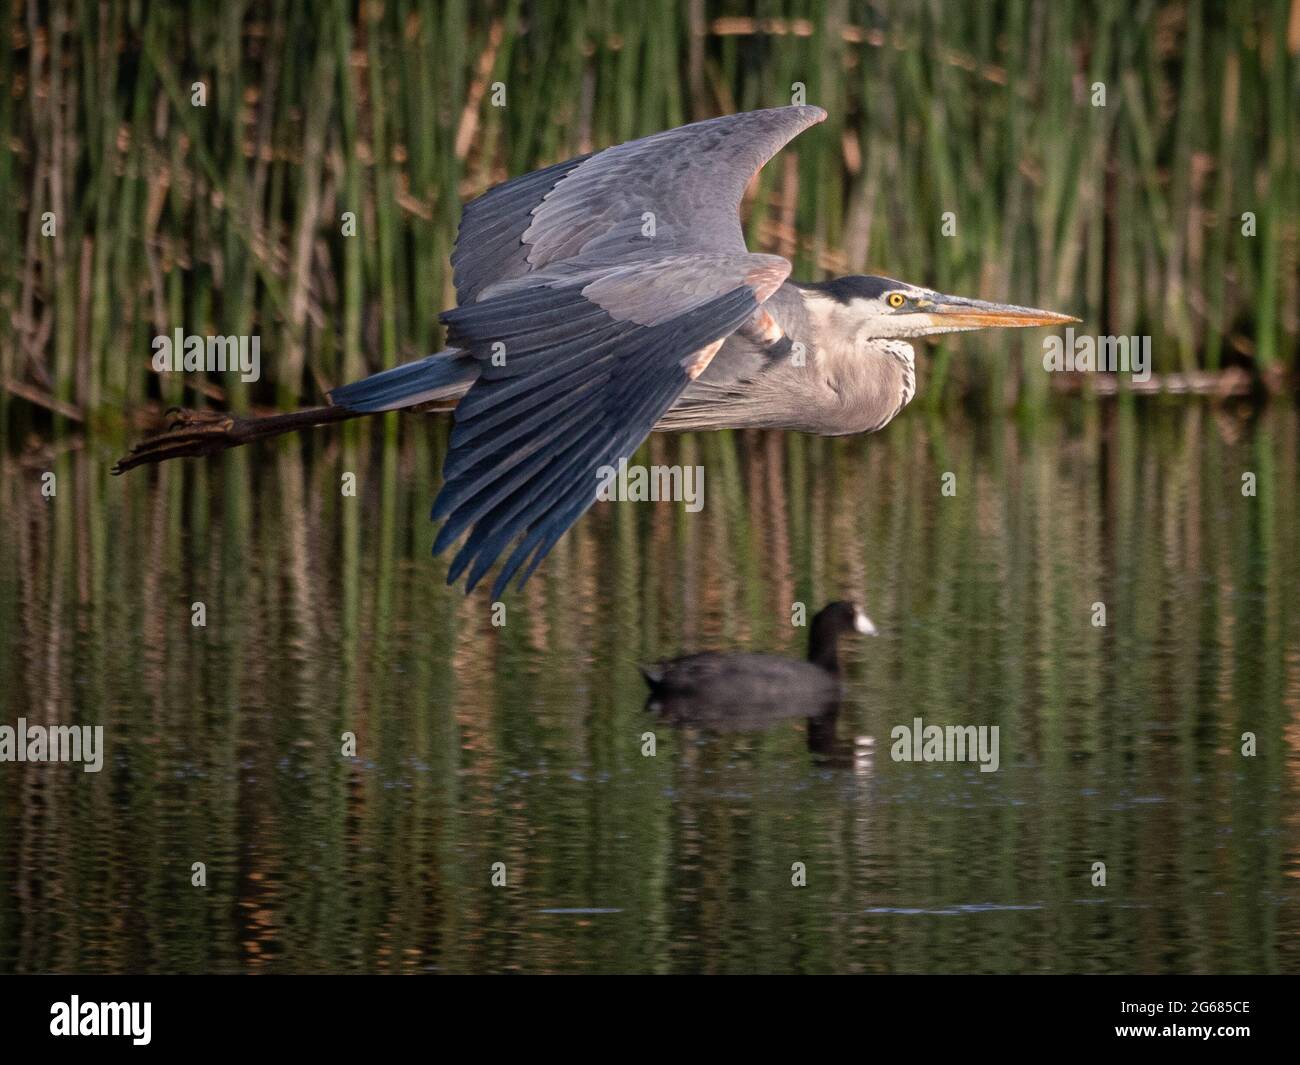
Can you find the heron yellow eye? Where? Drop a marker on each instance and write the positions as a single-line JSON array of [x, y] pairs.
[[895, 299]]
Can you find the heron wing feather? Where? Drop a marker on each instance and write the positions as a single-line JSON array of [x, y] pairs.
[[671, 193], [610, 354]]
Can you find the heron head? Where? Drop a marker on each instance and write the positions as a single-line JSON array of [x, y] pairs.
[[882, 308]]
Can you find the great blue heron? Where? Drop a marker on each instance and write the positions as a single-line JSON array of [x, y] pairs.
[[610, 295]]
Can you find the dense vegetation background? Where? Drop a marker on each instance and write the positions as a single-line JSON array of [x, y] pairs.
[[227, 218]]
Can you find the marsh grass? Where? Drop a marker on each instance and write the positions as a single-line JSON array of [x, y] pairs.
[[226, 219]]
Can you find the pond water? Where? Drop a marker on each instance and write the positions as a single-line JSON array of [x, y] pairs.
[[516, 751]]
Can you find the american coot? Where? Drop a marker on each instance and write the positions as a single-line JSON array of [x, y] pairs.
[[722, 689]]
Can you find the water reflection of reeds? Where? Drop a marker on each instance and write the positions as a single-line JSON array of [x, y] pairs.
[[522, 744]]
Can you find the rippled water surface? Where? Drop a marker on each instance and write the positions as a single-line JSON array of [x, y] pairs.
[[523, 744]]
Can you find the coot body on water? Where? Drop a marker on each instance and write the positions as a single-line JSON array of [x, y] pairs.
[[715, 688]]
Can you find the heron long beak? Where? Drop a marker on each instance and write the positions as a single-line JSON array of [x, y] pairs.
[[957, 312]]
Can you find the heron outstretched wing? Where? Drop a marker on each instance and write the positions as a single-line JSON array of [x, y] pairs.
[[573, 376], [591, 294], [689, 181]]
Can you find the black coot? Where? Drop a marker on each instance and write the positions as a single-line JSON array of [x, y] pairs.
[[725, 690]]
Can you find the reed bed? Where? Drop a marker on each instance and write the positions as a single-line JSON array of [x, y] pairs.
[[228, 218]]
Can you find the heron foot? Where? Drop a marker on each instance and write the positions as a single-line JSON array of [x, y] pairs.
[[188, 432]]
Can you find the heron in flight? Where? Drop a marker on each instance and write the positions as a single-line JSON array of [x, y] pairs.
[[611, 295]]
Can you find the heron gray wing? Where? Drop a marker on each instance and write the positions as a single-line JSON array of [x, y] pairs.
[[671, 193], [574, 373]]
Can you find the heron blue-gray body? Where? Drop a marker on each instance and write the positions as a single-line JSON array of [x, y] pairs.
[[611, 295]]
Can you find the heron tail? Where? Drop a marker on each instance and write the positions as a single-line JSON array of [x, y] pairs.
[[445, 375]]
